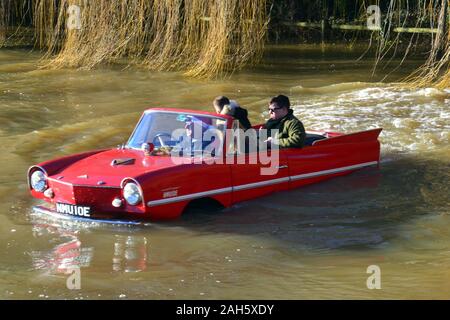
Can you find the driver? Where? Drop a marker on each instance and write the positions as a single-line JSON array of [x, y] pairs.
[[193, 139]]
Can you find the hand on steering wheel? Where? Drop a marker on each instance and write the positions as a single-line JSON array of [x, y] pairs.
[[159, 137]]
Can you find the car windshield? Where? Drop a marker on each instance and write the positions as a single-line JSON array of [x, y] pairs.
[[173, 129]]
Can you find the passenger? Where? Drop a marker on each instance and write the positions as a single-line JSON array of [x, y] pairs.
[[223, 105], [291, 133]]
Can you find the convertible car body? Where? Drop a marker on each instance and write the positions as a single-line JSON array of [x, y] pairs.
[[140, 180]]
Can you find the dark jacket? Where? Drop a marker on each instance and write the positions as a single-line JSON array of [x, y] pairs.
[[241, 114], [291, 131], [238, 113]]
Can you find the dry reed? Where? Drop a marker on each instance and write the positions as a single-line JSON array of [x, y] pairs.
[[2, 23], [200, 37], [434, 14], [205, 38]]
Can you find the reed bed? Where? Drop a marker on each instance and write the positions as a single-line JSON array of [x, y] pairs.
[[204, 38], [434, 14], [15, 15], [2, 23]]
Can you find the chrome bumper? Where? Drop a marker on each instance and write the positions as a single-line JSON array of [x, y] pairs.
[[60, 216]]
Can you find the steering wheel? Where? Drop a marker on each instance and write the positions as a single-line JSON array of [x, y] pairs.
[[159, 137]]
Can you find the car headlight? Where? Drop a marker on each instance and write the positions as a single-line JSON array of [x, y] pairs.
[[38, 181], [132, 193]]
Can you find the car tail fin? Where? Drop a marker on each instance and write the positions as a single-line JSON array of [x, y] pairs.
[[362, 136]]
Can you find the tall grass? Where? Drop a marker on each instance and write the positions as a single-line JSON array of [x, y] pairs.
[[200, 37], [204, 38], [14, 14], [436, 69], [2, 23]]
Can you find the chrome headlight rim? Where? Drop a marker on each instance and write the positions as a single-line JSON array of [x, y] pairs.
[[132, 193], [38, 180]]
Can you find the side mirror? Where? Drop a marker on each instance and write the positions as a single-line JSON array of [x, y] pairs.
[[147, 148]]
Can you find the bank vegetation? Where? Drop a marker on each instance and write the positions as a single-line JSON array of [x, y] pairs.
[[205, 38]]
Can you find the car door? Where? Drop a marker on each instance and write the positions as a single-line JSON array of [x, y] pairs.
[[254, 174], [308, 165]]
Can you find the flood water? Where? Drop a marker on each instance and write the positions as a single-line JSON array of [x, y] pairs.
[[312, 243]]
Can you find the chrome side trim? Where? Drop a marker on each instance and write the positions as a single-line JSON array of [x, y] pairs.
[[330, 171], [189, 196], [260, 184]]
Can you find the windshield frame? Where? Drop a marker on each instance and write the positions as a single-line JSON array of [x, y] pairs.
[[186, 112]]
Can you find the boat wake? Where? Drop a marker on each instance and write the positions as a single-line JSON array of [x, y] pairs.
[[412, 119]]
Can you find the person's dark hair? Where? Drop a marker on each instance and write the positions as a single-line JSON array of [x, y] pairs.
[[221, 101], [281, 101]]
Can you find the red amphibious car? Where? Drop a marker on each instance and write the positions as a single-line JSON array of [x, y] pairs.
[[146, 179]]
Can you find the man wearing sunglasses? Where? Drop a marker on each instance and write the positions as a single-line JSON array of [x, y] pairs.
[[291, 133]]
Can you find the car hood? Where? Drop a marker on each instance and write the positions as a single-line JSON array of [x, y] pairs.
[[99, 170]]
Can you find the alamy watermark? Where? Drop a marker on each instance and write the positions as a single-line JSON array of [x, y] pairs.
[[374, 280], [193, 145], [74, 17], [73, 281], [374, 17]]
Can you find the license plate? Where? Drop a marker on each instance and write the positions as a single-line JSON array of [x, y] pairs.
[[74, 210]]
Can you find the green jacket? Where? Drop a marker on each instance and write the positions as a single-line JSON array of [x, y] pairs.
[[291, 131]]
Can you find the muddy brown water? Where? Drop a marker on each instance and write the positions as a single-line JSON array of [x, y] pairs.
[[313, 242]]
